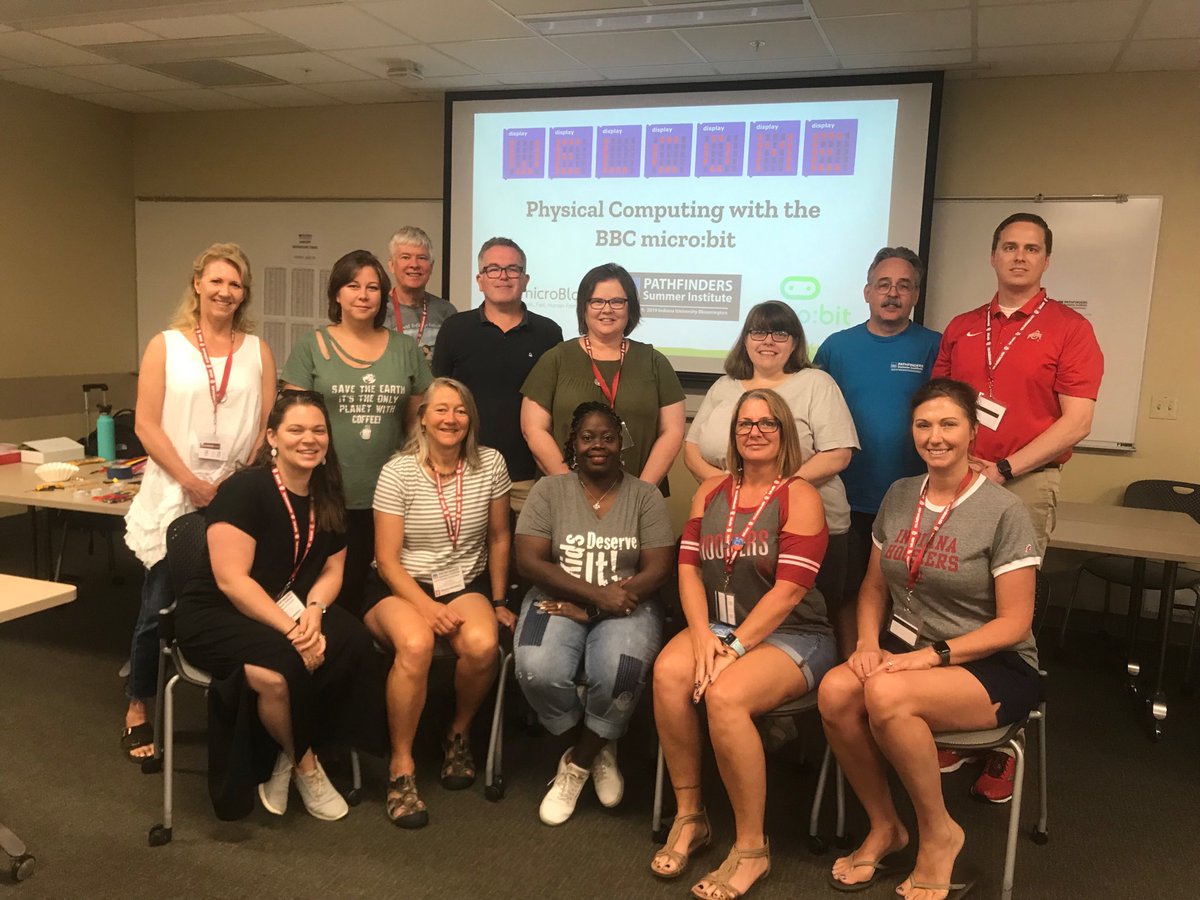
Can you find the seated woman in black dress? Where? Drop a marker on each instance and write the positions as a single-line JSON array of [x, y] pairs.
[[285, 662]]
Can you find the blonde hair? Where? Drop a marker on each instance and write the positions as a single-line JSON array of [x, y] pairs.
[[790, 455], [418, 441], [187, 316]]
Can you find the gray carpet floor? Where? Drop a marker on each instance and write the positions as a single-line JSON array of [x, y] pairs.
[[1124, 812]]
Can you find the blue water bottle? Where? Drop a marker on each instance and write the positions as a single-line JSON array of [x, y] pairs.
[[106, 436]]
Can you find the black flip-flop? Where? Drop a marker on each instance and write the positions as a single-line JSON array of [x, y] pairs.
[[888, 865], [135, 738]]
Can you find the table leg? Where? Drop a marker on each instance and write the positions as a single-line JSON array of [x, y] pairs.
[[1132, 667], [33, 539], [1156, 705]]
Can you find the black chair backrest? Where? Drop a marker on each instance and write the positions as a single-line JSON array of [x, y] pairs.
[[1041, 600], [187, 549], [1172, 496]]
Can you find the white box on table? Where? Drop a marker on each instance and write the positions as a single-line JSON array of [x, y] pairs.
[[59, 449]]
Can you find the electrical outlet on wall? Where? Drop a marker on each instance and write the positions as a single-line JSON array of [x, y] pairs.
[[1164, 406]]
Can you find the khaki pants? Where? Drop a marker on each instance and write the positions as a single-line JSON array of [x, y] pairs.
[[1039, 492], [519, 494]]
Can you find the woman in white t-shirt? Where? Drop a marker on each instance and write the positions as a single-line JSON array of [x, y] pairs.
[[442, 546]]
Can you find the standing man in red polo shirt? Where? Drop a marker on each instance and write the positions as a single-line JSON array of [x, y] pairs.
[[1037, 367]]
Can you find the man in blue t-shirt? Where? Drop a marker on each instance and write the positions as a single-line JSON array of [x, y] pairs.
[[878, 365]]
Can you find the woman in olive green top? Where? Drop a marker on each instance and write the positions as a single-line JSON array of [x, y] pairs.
[[373, 380], [603, 364]]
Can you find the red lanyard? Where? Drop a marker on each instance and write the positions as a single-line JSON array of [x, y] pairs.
[[297, 555], [610, 394], [217, 394], [453, 523], [993, 366], [912, 559], [400, 322], [735, 545]]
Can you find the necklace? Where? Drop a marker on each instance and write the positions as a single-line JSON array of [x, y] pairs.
[[596, 503]]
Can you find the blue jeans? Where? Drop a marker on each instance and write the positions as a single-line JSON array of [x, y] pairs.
[[143, 653], [610, 659]]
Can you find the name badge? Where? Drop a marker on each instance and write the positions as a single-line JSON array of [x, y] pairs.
[[726, 608], [905, 626], [448, 581], [989, 412], [290, 604], [213, 447]]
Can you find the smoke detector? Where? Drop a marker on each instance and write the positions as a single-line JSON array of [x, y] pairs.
[[405, 68]]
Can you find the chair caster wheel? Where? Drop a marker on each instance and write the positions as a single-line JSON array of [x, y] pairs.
[[844, 841], [22, 867], [659, 835], [1039, 837], [353, 797], [817, 845], [494, 792], [152, 765], [159, 836]]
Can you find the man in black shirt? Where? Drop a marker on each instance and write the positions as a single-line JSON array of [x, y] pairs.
[[491, 349]]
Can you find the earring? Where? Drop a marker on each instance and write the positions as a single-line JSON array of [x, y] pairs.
[[274, 453]]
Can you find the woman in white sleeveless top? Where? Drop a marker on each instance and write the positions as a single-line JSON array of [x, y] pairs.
[[200, 414]]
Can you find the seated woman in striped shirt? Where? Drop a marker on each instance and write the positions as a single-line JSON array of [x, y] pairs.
[[442, 548]]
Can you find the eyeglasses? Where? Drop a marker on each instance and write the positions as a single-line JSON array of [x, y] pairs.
[[778, 337], [764, 426], [495, 272], [616, 303], [903, 288]]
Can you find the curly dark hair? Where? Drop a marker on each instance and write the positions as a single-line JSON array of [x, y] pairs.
[[582, 411]]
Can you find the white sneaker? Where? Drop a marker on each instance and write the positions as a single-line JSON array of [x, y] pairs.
[[559, 802], [606, 777], [274, 791], [320, 797]]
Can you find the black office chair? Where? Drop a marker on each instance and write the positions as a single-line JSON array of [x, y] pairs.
[[1011, 737], [187, 554], [1173, 496]]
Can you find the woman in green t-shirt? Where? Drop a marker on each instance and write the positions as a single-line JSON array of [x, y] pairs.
[[373, 380], [603, 365]]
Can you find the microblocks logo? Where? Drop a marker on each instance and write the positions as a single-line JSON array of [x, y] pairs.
[[800, 287]]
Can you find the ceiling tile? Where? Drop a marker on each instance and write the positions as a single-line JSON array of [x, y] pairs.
[[366, 92], [112, 33], [511, 55], [540, 7], [944, 30], [628, 48], [199, 27], [833, 8], [447, 20], [906, 60], [376, 60], [198, 99], [280, 95], [1049, 59], [460, 82], [336, 27], [1048, 23], [780, 40], [135, 103], [778, 66], [301, 68], [125, 78], [1170, 19], [652, 73], [51, 80], [35, 50], [566, 76], [10, 64], [1153, 56]]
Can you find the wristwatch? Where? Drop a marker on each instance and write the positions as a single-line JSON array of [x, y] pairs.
[[318, 603], [942, 649], [731, 640], [1005, 470], [501, 603]]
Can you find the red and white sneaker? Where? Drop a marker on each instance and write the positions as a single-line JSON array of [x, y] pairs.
[[953, 760], [995, 784]]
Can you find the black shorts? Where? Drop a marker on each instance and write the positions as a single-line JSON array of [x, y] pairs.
[[376, 589]]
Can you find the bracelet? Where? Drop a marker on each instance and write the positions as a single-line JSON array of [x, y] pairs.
[[288, 633], [318, 603]]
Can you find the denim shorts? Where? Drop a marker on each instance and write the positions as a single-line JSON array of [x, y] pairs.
[[815, 654]]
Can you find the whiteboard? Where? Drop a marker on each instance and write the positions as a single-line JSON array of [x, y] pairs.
[[291, 246], [1102, 266]]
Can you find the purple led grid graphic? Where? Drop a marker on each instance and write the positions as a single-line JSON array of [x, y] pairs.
[[618, 151], [668, 151], [524, 153], [774, 148], [829, 146], [571, 152], [720, 148]]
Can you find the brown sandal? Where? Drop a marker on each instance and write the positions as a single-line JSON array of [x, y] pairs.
[[458, 771], [405, 808], [719, 887], [668, 852]]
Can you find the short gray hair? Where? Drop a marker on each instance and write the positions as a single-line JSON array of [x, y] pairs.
[[898, 253], [410, 235]]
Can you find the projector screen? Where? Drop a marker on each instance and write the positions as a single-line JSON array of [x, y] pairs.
[[714, 199]]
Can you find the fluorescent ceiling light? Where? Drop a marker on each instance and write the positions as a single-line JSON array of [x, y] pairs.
[[677, 15]]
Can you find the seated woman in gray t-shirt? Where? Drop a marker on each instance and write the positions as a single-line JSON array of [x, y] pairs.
[[956, 558], [597, 545]]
